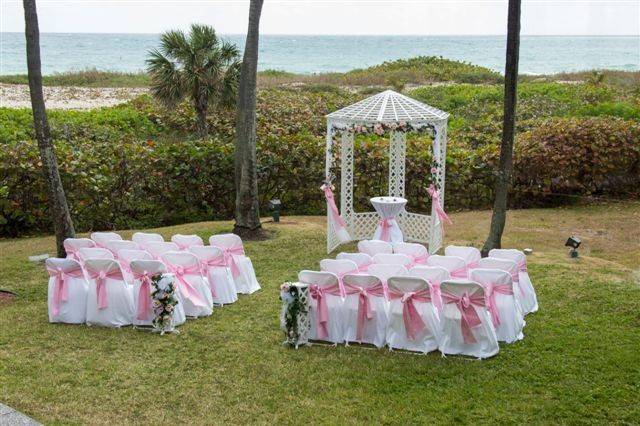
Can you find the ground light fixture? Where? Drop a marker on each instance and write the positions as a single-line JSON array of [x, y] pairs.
[[574, 243], [275, 205]]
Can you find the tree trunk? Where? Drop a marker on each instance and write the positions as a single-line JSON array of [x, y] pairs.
[[503, 178], [246, 175], [201, 111], [58, 201]]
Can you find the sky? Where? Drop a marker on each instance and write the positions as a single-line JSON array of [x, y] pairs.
[[366, 17]]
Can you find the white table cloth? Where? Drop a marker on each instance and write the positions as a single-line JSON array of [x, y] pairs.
[[388, 208]]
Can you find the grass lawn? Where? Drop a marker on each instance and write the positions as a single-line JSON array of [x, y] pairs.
[[579, 361]]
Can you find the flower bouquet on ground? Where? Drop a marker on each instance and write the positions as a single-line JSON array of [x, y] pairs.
[[163, 293]]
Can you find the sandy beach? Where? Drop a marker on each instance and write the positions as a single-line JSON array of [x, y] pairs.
[[58, 97]]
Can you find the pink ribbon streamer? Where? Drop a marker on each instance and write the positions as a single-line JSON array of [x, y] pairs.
[[186, 288], [490, 291], [365, 312], [470, 318], [322, 313], [440, 213], [60, 287], [331, 203], [229, 253], [101, 287], [144, 295], [413, 323], [385, 226], [436, 295]]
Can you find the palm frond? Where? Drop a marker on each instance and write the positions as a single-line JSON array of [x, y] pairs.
[[167, 83], [175, 45]]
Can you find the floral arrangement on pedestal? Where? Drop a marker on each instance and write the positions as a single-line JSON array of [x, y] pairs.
[[294, 318], [163, 293]]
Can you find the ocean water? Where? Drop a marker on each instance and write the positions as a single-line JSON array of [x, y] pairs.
[[317, 54]]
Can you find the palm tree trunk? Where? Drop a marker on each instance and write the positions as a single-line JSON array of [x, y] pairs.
[[61, 218], [201, 120], [246, 175], [503, 178]]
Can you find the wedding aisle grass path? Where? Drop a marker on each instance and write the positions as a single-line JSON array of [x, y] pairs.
[[579, 361]]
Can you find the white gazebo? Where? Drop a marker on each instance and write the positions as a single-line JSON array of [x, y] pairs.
[[395, 114]]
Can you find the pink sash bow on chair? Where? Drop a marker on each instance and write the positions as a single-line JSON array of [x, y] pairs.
[[413, 323], [436, 295], [440, 213], [187, 289], [365, 312], [101, 285], [229, 253], [322, 312], [418, 260], [459, 273], [470, 318], [60, 287], [212, 262], [364, 267], [490, 295], [385, 226], [144, 295]]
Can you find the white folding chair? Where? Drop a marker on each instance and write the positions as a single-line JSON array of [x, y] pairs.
[[126, 256], [530, 298], [470, 334], [373, 247], [505, 311], [110, 299], [417, 252], [434, 275], [340, 268], [102, 238], [471, 255], [114, 246], [72, 245], [86, 253], [67, 291], [324, 298], [158, 248], [362, 260], [143, 271], [218, 274], [142, 238], [186, 241], [384, 271], [413, 321], [195, 291], [241, 267], [365, 310], [393, 259], [511, 268], [456, 265]]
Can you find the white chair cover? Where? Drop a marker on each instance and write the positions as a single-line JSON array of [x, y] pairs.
[[157, 248], [384, 271], [481, 341], [434, 275], [143, 316], [365, 310], [102, 238], [417, 252], [413, 321], [116, 307], [373, 247], [530, 298], [471, 255], [142, 238], [195, 291], [505, 311], [393, 259], [125, 256], [67, 292], [362, 260], [214, 268], [511, 268], [186, 241], [456, 265], [86, 253], [340, 268], [240, 264], [323, 288], [114, 246], [73, 245]]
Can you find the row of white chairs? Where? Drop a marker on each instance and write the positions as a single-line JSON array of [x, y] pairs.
[[111, 286]]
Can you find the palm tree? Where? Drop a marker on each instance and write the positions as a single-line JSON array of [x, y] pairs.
[[198, 66], [61, 217], [503, 178], [246, 180]]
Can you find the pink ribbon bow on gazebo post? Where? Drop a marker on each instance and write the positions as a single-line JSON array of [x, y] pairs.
[[322, 312], [490, 291], [60, 286], [186, 288], [413, 323], [338, 223], [101, 286], [440, 213], [365, 312], [469, 316], [229, 253]]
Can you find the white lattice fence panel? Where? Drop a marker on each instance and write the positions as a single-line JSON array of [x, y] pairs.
[[415, 227], [362, 225]]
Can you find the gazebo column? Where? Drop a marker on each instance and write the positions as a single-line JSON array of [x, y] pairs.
[[397, 158], [346, 182], [440, 155]]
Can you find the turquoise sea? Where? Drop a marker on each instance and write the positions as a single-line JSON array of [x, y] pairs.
[[317, 54]]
